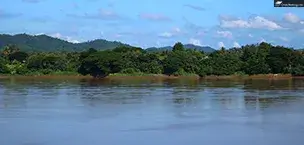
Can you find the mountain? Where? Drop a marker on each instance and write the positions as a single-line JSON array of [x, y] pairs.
[[206, 49], [47, 43]]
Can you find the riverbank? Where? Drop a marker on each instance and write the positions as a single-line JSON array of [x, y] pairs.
[[156, 76]]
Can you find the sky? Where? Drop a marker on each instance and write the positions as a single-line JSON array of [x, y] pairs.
[[147, 23]]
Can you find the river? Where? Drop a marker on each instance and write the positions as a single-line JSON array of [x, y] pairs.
[[151, 112]]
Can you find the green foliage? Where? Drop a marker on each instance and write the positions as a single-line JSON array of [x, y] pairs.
[[261, 58], [178, 47], [101, 64], [50, 61], [18, 56], [16, 67], [225, 63], [130, 71], [298, 71], [3, 67]]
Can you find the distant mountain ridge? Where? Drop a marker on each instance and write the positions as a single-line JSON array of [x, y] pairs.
[[47, 43], [206, 49]]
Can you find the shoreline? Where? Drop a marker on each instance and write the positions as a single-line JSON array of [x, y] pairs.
[[156, 76]]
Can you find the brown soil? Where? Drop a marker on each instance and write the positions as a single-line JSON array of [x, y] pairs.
[[264, 76]]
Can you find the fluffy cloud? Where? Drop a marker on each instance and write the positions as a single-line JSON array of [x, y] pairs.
[[32, 1], [67, 38], [262, 40], [221, 44], [225, 34], [250, 35], [195, 42], [154, 17], [292, 18], [237, 45], [256, 22], [174, 32], [102, 14], [166, 35], [284, 39], [198, 8]]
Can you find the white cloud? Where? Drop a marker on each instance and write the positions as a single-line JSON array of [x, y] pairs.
[[221, 44], [177, 30], [56, 35], [39, 34], [225, 34], [195, 7], [174, 32], [257, 22], [158, 44], [284, 39], [166, 35], [234, 24], [262, 40], [250, 35], [154, 17], [107, 13], [237, 45], [195, 42], [292, 18], [101, 14], [67, 38], [32, 1], [117, 35]]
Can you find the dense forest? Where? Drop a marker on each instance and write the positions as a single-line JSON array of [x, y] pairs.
[[260, 58]]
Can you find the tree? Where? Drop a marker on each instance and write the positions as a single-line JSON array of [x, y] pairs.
[[178, 47], [52, 62], [18, 56], [149, 63], [224, 62], [9, 49], [101, 64], [279, 59], [3, 67]]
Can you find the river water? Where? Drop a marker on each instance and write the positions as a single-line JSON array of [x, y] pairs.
[[151, 112]]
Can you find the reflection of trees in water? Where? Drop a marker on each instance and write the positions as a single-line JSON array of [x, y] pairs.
[[186, 102], [267, 102], [17, 92], [13, 94], [96, 96], [222, 83], [298, 84], [265, 84], [141, 82]]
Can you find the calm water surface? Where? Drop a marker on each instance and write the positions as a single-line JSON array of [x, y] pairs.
[[150, 112]]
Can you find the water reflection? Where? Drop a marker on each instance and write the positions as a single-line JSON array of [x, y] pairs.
[[150, 105]]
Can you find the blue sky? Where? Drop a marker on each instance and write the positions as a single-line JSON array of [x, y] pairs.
[[149, 23]]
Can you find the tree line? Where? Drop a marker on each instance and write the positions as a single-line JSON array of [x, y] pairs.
[[262, 58]]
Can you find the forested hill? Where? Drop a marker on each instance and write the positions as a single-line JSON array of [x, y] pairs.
[[45, 43], [206, 49]]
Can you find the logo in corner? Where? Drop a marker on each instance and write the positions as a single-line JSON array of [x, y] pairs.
[[278, 3]]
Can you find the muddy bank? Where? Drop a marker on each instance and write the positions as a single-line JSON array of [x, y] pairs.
[[157, 76]]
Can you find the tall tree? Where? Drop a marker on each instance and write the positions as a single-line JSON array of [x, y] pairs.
[[178, 47]]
